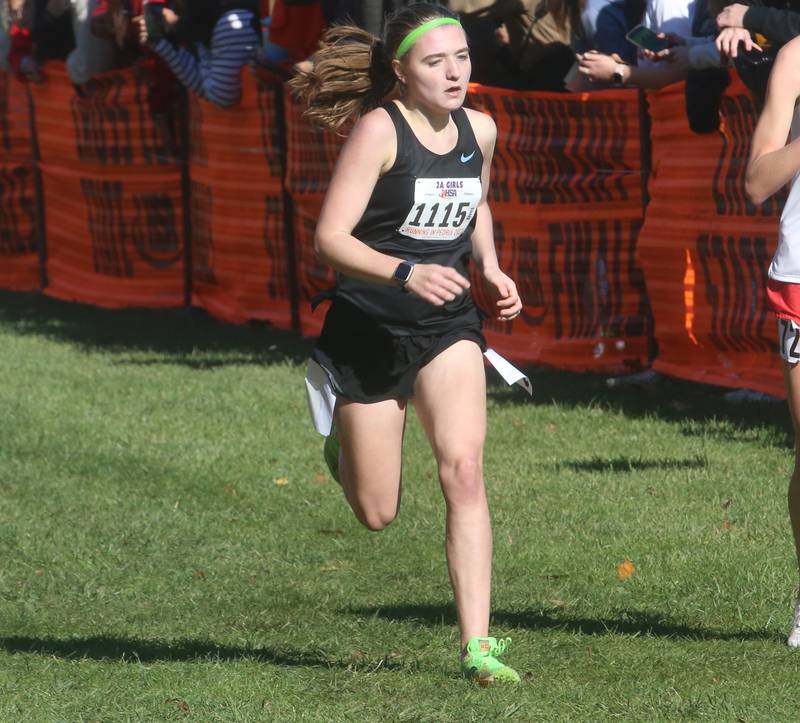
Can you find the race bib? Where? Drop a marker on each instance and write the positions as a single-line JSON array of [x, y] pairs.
[[443, 207], [789, 334]]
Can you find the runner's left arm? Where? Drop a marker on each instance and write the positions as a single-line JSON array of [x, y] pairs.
[[483, 249]]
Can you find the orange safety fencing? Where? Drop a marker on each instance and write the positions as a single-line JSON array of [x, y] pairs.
[[311, 154], [629, 237], [705, 249], [240, 261], [19, 227], [566, 199], [111, 177]]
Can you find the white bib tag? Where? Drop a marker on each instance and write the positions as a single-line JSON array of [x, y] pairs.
[[321, 399], [443, 207], [511, 375]]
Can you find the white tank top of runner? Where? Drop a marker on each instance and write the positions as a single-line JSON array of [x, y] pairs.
[[785, 264]]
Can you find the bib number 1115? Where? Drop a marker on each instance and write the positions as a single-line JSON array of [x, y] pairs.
[[442, 208]]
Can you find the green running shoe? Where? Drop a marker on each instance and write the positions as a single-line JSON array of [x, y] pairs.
[[481, 664], [330, 451]]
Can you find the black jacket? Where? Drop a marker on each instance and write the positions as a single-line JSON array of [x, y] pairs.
[[779, 22]]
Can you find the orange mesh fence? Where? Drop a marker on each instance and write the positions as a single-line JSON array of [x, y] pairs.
[[240, 263], [108, 125], [114, 240], [566, 199], [19, 237], [112, 193], [705, 249], [311, 154]]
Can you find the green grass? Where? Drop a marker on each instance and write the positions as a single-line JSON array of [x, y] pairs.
[[151, 569]]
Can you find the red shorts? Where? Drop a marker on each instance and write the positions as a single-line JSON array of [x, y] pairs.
[[784, 299]]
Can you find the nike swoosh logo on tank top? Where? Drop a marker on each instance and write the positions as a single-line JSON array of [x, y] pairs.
[[464, 158]]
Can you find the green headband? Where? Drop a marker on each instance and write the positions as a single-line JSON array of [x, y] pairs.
[[413, 36]]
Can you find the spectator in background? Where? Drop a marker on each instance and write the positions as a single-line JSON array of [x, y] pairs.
[[5, 38], [524, 44], [605, 25], [492, 44], [226, 35], [92, 55], [669, 17], [546, 53], [116, 21], [739, 21], [297, 26], [39, 30], [707, 76]]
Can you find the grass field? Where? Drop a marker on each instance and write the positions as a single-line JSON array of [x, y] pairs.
[[171, 548]]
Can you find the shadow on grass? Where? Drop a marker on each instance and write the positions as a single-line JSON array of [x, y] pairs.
[[191, 338], [700, 409], [130, 650], [627, 623], [187, 337], [630, 464]]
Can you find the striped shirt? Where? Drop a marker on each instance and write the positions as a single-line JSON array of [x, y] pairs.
[[215, 76]]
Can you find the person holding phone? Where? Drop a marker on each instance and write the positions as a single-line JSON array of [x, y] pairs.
[[773, 164], [226, 35], [405, 214], [661, 18]]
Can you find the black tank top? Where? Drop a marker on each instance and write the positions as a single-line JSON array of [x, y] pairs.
[[422, 210]]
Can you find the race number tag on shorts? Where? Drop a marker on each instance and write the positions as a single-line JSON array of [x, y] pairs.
[[443, 207], [789, 336]]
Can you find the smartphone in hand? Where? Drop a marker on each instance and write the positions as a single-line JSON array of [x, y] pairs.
[[646, 39]]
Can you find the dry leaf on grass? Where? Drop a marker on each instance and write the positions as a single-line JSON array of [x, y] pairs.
[[280, 481], [181, 705], [625, 569]]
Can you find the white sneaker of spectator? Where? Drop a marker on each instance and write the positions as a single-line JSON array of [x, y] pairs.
[[793, 641]]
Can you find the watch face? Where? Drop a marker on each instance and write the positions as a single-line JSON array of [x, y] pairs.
[[403, 272]]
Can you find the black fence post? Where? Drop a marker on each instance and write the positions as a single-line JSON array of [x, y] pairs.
[[186, 196], [288, 209], [646, 163], [38, 187]]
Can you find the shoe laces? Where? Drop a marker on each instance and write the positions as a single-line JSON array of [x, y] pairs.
[[500, 647]]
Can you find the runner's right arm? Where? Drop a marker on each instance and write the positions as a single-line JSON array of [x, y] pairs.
[[370, 151]]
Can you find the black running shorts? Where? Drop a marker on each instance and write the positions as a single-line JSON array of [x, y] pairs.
[[367, 363]]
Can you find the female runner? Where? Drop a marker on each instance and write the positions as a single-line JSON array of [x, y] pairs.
[[774, 163], [405, 211]]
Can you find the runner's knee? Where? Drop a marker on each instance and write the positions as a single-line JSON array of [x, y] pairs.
[[462, 479], [376, 520]]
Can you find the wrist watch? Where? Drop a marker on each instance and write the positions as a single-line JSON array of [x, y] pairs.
[[402, 273], [618, 75]]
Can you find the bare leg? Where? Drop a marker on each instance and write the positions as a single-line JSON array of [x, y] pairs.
[[792, 376], [371, 439], [450, 399]]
